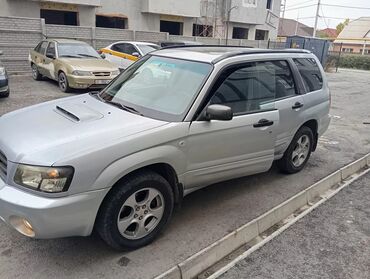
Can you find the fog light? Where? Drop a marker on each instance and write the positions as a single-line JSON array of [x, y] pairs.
[[22, 225]]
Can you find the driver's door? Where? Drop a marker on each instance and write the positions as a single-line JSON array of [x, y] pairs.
[[221, 150]]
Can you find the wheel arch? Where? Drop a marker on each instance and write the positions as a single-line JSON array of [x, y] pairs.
[[313, 125]]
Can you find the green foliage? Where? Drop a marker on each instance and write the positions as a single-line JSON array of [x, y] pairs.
[[341, 25], [355, 61]]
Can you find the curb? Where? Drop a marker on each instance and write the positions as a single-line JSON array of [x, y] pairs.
[[207, 257]]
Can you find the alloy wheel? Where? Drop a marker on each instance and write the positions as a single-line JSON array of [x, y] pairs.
[[301, 151]]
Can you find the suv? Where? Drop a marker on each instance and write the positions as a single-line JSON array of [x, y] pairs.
[[175, 121]]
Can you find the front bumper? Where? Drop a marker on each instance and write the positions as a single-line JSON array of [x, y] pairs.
[[51, 217], [83, 82]]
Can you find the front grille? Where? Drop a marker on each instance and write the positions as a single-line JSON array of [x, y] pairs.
[[3, 165], [101, 74]]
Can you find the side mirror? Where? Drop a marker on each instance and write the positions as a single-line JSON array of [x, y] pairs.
[[219, 112], [136, 54], [102, 55], [50, 55]]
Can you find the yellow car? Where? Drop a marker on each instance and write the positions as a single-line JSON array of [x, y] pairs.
[[74, 64]]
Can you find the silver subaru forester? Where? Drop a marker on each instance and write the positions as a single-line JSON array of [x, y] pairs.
[[117, 161]]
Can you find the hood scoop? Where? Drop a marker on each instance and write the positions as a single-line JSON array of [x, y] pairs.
[[77, 112]]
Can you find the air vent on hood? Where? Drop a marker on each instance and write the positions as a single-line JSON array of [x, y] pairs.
[[77, 112]]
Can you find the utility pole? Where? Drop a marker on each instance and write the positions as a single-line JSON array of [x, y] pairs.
[[316, 18], [284, 5]]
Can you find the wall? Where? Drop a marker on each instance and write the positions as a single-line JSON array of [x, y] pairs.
[[188, 8]]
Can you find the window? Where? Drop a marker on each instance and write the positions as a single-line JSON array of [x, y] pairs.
[[347, 49], [111, 22], [261, 35], [269, 4], [310, 73], [172, 27], [202, 30], [124, 48], [240, 33], [51, 50], [59, 17], [255, 86], [41, 47]]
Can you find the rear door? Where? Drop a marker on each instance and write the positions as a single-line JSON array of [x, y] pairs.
[[220, 150], [49, 61], [38, 56]]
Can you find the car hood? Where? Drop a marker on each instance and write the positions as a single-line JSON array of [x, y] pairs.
[[48, 132], [87, 64]]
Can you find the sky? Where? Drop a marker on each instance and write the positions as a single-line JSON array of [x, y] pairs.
[[332, 15]]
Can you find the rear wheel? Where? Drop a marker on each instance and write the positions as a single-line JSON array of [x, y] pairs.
[[35, 72], [135, 211], [63, 82], [298, 152]]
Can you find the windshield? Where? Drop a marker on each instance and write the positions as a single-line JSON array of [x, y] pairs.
[[159, 87], [145, 49], [77, 50]]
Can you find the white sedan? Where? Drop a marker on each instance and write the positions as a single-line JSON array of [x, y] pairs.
[[124, 53]]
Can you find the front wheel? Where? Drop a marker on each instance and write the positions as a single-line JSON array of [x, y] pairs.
[[298, 152], [135, 211], [63, 82]]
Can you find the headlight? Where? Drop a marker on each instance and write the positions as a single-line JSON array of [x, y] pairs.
[[81, 73], [44, 179], [2, 71], [115, 73]]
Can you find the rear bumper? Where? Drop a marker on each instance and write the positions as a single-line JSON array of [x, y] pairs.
[[51, 217], [88, 81]]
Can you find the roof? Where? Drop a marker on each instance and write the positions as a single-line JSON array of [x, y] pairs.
[[65, 41], [290, 27], [355, 31], [329, 32], [214, 54], [136, 43]]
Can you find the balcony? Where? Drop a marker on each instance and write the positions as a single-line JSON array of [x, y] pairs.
[[188, 8]]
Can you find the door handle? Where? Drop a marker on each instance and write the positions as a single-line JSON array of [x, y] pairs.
[[297, 105], [263, 123]]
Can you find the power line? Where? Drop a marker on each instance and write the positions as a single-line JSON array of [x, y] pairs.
[[297, 4], [347, 7], [302, 7]]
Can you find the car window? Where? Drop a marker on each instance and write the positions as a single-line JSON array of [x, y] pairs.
[[51, 50], [125, 48], [77, 50], [159, 87], [145, 49], [254, 86], [41, 47], [310, 73]]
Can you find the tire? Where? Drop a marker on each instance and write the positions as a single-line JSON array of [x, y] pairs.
[[63, 82], [298, 152], [35, 72], [128, 205]]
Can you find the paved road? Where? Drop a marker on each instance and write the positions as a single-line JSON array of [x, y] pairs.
[[206, 215], [333, 241]]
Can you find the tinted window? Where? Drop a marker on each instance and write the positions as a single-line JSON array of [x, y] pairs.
[[255, 86], [51, 50], [310, 73], [124, 48], [41, 47]]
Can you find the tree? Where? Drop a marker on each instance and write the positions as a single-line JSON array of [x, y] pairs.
[[341, 26]]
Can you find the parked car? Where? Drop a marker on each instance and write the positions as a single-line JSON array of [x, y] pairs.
[[4, 82], [175, 121], [179, 43], [72, 63], [123, 54]]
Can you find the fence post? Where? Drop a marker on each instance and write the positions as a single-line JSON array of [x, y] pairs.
[[268, 44], [93, 37], [340, 51], [134, 35], [43, 28]]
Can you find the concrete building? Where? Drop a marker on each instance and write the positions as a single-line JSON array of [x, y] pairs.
[[239, 19], [355, 37], [290, 27]]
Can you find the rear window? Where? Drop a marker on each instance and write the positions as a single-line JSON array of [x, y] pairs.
[[310, 73]]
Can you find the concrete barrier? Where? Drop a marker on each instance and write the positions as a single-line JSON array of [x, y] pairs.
[[210, 255]]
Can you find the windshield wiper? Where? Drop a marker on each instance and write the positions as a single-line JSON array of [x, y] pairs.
[[87, 55], [68, 55]]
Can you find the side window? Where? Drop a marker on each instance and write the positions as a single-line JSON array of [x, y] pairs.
[[41, 47], [130, 49], [50, 52], [124, 48], [310, 73], [118, 47], [254, 87]]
